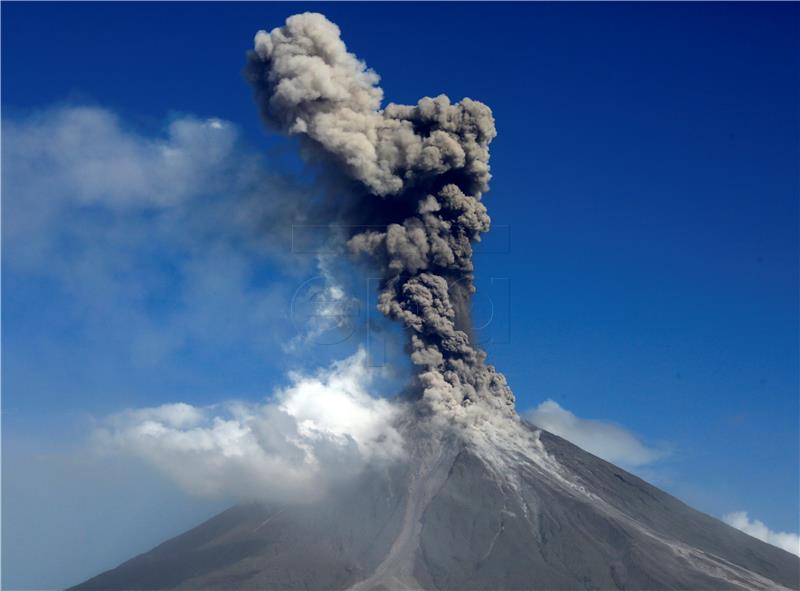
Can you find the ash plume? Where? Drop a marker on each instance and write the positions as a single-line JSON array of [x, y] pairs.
[[416, 176]]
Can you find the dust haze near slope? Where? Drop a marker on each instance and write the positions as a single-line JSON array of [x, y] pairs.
[[320, 429]]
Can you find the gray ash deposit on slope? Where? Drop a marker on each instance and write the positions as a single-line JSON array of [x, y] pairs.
[[481, 500]]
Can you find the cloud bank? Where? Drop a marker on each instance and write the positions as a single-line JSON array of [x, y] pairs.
[[605, 440], [741, 521], [320, 429], [157, 235]]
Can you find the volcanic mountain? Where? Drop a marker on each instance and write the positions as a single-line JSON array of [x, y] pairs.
[[468, 512]]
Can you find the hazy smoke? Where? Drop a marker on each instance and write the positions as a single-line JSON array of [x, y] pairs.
[[417, 175]]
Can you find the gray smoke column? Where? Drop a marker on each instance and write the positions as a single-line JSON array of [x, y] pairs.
[[418, 171]]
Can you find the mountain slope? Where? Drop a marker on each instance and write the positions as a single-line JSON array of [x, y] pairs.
[[463, 514]]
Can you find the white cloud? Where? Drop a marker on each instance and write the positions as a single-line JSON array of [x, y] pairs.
[[84, 156], [318, 430], [605, 440], [155, 236], [741, 521]]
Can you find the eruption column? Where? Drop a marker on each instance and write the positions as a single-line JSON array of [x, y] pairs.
[[417, 173]]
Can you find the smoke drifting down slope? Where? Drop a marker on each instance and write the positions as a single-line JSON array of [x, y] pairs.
[[421, 171]]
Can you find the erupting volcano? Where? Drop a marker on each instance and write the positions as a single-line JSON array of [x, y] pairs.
[[480, 499]]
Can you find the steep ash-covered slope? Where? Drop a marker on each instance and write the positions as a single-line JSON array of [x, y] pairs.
[[599, 528], [459, 515]]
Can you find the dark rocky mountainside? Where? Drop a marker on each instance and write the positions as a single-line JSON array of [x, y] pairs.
[[457, 517]]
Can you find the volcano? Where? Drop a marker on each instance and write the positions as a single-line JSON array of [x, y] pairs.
[[467, 511]]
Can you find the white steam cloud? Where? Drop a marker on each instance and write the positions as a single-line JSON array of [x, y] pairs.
[[605, 440], [741, 521], [306, 437]]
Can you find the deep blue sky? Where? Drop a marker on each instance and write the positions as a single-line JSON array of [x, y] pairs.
[[645, 176]]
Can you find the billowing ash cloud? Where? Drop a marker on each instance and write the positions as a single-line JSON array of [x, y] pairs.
[[416, 175]]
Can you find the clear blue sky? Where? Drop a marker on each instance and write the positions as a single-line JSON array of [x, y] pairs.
[[645, 186]]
